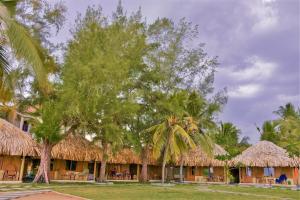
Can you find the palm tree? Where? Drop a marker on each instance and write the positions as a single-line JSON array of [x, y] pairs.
[[289, 127], [24, 46], [4, 66], [269, 132], [169, 140], [287, 111], [191, 126], [227, 135]]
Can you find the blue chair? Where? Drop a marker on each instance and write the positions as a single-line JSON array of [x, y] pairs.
[[281, 179]]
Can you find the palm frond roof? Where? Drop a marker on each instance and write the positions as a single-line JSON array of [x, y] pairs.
[[263, 154], [15, 142]]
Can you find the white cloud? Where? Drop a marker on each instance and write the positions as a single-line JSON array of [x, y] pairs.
[[257, 70], [265, 15], [245, 91], [282, 98]]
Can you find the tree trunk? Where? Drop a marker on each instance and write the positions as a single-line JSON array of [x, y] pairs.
[[43, 173], [102, 177], [181, 170], [144, 174], [163, 172], [164, 165]]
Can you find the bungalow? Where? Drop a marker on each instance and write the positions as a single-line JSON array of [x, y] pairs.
[[16, 150], [75, 158], [200, 167], [265, 162]]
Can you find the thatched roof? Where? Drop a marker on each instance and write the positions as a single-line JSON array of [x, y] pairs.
[[263, 154], [219, 151], [296, 161], [124, 156], [198, 157], [76, 147], [13, 141], [194, 158]]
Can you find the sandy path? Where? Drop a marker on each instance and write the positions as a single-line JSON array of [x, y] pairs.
[[51, 196]]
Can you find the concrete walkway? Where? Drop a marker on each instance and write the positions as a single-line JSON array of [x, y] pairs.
[[14, 195], [38, 194]]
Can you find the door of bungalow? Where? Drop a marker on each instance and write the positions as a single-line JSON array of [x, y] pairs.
[[235, 172], [133, 170]]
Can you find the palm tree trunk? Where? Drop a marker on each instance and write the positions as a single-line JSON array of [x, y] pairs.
[[164, 164], [102, 177], [144, 174], [43, 174], [181, 170]]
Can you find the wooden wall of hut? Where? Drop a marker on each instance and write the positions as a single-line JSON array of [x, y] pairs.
[[193, 172], [123, 171], [59, 169], [257, 174], [12, 165], [154, 172]]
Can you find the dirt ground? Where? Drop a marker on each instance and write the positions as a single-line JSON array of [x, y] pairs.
[[50, 196]]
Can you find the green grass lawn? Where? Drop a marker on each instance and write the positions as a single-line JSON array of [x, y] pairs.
[[177, 192]]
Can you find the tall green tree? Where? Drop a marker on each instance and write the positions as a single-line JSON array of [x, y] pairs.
[[99, 74], [172, 64]]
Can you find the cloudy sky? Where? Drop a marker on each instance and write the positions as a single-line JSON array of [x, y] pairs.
[[257, 42]]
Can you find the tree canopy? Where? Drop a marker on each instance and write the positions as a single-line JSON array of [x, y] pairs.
[[285, 130]]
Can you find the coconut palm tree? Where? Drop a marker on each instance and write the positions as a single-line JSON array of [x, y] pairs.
[[227, 136], [289, 127], [287, 111], [269, 132], [24, 47], [169, 140], [191, 126]]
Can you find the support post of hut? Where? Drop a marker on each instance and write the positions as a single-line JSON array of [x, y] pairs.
[[138, 172], [95, 170], [298, 176], [21, 123], [225, 175], [22, 169], [240, 175]]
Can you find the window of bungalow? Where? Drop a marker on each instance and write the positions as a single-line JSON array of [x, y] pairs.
[[51, 165], [269, 171], [71, 165], [206, 171], [91, 167], [25, 126], [248, 171]]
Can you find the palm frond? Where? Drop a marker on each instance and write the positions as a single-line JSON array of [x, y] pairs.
[[25, 47], [184, 136], [4, 65], [206, 143]]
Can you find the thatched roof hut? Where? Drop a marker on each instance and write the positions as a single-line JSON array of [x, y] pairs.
[[263, 154], [15, 142], [76, 147], [198, 157], [125, 156]]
